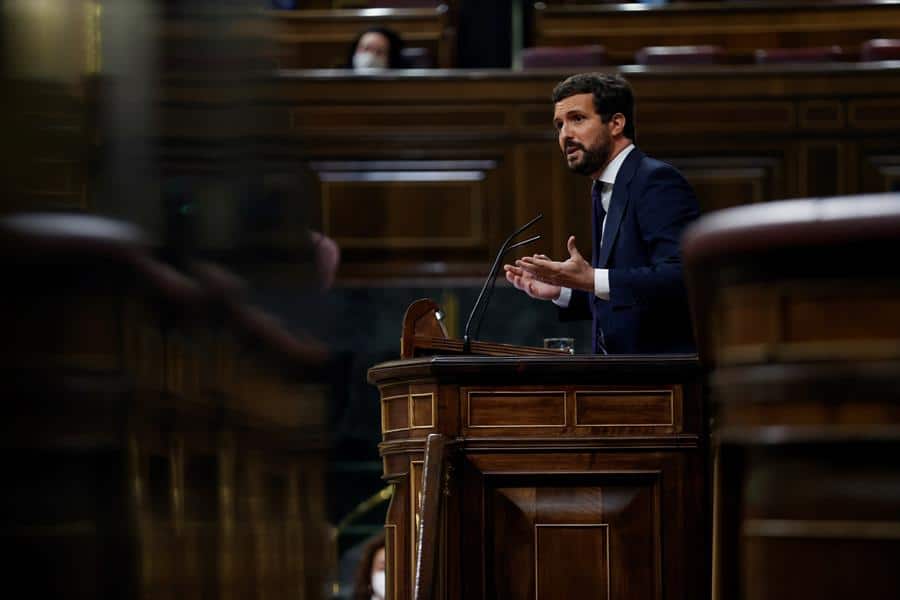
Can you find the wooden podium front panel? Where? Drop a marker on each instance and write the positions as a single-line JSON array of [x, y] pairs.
[[580, 526]]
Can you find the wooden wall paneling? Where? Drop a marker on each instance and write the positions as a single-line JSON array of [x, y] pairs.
[[821, 169], [822, 115], [879, 170], [739, 28], [536, 192], [405, 210], [499, 202], [426, 119], [722, 182], [873, 114], [740, 134], [732, 116], [571, 212], [572, 198], [408, 211]]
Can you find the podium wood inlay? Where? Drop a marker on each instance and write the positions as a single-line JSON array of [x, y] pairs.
[[395, 413], [625, 408], [421, 410], [516, 409]]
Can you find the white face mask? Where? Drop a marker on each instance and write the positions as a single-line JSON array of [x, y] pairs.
[[378, 585], [368, 60]]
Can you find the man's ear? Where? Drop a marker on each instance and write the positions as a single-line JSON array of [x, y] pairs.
[[617, 124]]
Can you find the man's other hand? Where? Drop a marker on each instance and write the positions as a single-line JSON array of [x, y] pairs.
[[575, 272], [522, 280]]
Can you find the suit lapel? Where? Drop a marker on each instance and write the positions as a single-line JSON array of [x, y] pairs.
[[617, 205]]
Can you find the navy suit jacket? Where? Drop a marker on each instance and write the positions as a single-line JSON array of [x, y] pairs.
[[647, 311]]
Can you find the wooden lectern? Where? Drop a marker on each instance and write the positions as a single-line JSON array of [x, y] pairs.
[[534, 474]]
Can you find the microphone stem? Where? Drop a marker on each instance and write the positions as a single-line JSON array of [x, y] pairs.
[[493, 284], [504, 248]]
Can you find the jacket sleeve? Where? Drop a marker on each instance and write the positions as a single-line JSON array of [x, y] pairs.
[[579, 308], [663, 208]]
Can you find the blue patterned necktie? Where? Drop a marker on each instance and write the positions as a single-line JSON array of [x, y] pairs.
[[597, 216], [599, 339]]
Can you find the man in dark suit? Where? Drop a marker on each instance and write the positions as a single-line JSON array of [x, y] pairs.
[[633, 287]]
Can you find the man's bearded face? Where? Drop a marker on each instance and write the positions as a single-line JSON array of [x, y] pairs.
[[583, 137]]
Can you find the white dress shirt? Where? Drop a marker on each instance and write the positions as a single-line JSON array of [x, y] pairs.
[[607, 179]]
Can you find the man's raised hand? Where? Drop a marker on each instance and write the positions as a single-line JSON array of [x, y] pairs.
[[575, 272], [522, 280]]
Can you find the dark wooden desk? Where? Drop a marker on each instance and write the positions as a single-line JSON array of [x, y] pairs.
[[566, 476]]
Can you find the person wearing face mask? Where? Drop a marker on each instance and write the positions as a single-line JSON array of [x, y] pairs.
[[370, 579], [376, 48]]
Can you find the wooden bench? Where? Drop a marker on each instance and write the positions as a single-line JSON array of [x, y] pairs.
[[739, 27]]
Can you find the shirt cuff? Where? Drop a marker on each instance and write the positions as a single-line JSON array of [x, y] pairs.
[[565, 296], [601, 283]]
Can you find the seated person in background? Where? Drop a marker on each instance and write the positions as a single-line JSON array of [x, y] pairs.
[[376, 48], [369, 583], [632, 286]]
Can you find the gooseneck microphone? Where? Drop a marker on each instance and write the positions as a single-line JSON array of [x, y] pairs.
[[491, 279]]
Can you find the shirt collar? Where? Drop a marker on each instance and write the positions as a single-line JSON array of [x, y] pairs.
[[612, 169]]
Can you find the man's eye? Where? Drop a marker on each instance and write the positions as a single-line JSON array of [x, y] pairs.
[[578, 118]]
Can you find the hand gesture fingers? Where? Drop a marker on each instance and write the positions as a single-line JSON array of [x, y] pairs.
[[526, 282], [574, 254]]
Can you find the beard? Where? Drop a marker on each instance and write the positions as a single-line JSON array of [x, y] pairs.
[[591, 160]]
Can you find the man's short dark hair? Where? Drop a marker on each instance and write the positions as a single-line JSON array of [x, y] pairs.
[[612, 94]]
